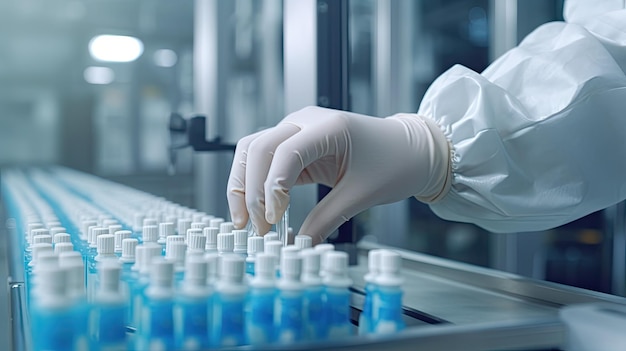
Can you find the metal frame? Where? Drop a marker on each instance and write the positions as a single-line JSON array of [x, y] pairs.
[[333, 57]]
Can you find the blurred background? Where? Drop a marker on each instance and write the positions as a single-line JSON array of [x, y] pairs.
[[67, 99]]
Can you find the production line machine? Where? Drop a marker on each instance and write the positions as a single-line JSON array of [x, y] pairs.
[[446, 305]]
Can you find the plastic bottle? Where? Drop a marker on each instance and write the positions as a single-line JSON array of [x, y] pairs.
[[274, 247], [337, 284], [176, 254], [212, 261], [61, 238], [52, 313], [63, 247], [197, 225], [106, 252], [228, 309], [127, 260], [72, 263], [156, 331], [192, 311], [241, 242], [388, 318], [290, 301], [315, 328], [109, 312], [211, 238], [371, 291], [323, 249], [225, 243], [255, 247], [261, 299], [144, 254]]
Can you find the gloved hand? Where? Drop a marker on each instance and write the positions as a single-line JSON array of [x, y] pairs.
[[367, 161]]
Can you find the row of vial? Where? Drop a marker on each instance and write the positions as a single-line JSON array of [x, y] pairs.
[[211, 287]]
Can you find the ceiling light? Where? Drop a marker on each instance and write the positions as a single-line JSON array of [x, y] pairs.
[[165, 58], [115, 48], [98, 75]]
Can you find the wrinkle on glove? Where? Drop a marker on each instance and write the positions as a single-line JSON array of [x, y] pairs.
[[539, 138]]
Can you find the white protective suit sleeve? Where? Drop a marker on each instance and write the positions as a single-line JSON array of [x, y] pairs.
[[539, 138]]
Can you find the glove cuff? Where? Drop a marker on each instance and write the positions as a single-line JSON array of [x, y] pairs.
[[444, 148]]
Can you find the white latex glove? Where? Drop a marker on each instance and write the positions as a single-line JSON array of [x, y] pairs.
[[367, 161]]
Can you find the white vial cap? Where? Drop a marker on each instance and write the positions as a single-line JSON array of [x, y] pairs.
[[289, 250], [30, 227], [42, 238], [225, 242], [270, 236], [197, 225], [107, 222], [149, 222], [195, 271], [75, 269], [38, 231], [197, 217], [176, 254], [336, 269], [173, 239], [303, 241], [325, 247], [274, 248], [255, 245], [61, 238], [120, 235], [109, 274], [373, 265], [207, 220], [114, 228], [196, 240], [84, 228], [138, 221], [106, 246], [241, 239], [150, 233], [129, 245], [226, 227], [56, 230], [193, 230], [215, 222], [183, 225], [231, 268], [53, 223], [290, 268], [161, 272], [97, 232], [211, 237], [165, 229], [390, 266], [63, 247]]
